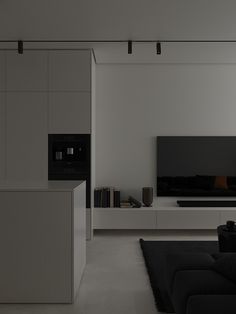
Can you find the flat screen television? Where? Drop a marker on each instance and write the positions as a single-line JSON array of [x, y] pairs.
[[196, 165]]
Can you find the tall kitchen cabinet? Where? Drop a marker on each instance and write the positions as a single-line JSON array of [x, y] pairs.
[[70, 92], [26, 116], [41, 93], [72, 102]]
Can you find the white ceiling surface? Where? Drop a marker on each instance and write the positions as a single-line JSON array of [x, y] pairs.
[[128, 19]]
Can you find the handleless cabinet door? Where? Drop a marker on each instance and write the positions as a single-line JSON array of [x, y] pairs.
[[26, 136], [2, 72], [27, 72], [69, 112], [69, 70], [2, 136], [2, 115], [70, 92]]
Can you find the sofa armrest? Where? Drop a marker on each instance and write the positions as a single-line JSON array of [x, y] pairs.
[[211, 304]]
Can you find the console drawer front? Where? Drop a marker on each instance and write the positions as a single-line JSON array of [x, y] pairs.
[[109, 218], [227, 215], [188, 219]]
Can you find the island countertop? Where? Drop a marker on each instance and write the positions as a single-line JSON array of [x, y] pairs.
[[56, 186]]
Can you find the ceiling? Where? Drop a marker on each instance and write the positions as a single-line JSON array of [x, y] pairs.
[[127, 19]]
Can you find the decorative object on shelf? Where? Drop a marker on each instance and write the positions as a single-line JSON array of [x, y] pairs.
[[158, 48], [116, 198], [106, 197], [134, 202], [227, 237], [20, 47], [147, 196], [230, 224]]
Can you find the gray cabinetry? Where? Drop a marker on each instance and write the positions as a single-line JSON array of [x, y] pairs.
[[42, 92], [69, 70], [70, 92], [2, 71], [69, 112], [71, 99], [2, 115], [26, 84], [26, 136], [2, 136], [26, 72]]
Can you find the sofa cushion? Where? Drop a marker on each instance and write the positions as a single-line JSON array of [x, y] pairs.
[[198, 282], [185, 261], [226, 265], [211, 304], [216, 256]]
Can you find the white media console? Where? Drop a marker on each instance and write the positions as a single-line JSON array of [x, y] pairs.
[[164, 214]]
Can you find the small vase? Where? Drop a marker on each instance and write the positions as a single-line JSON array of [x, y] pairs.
[[147, 196]]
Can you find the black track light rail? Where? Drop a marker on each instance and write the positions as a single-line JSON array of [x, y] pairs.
[[128, 42], [120, 41]]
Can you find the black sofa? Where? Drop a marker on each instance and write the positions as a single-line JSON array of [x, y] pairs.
[[201, 283]]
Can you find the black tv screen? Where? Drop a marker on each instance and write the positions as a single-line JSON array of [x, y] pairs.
[[189, 165]]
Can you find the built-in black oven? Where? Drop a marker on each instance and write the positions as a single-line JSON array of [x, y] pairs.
[[69, 158]]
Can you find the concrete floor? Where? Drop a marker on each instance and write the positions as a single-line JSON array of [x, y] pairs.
[[115, 279]]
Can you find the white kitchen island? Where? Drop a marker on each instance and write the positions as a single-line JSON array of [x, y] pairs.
[[42, 241]]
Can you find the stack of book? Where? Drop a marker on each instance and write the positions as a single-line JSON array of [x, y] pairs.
[[106, 197], [126, 204]]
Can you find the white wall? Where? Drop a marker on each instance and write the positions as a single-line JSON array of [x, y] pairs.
[[135, 103]]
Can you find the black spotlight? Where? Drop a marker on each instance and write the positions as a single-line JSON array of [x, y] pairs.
[[158, 48], [130, 47], [20, 47]]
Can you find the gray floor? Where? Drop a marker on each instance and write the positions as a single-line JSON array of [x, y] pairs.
[[115, 279]]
